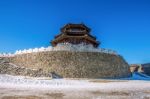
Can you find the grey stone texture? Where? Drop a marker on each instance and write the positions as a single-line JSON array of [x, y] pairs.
[[8, 68], [75, 64]]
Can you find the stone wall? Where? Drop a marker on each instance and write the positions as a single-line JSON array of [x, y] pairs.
[[8, 68], [75, 64]]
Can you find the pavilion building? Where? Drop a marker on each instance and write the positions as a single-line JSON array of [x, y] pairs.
[[75, 34]]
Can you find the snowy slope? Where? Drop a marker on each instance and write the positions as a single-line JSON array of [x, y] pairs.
[[7, 81], [138, 76]]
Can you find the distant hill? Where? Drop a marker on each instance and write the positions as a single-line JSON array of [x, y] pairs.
[[146, 68], [147, 64]]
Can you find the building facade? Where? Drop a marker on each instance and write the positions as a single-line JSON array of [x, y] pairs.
[[75, 34]]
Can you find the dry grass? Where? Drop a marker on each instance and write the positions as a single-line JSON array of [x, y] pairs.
[[55, 95], [42, 96], [21, 97], [107, 81], [113, 93], [147, 92], [145, 97]]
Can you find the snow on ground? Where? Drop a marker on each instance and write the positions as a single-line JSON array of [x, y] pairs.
[[19, 87], [137, 76], [23, 82], [8, 81]]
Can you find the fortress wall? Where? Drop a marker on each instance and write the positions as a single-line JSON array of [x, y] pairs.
[[75, 64]]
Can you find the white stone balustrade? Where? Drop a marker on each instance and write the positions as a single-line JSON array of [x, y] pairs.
[[62, 47]]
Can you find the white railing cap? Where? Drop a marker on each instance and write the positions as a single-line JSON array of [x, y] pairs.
[[62, 47]]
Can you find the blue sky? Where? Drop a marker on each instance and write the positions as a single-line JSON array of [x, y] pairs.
[[121, 25]]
